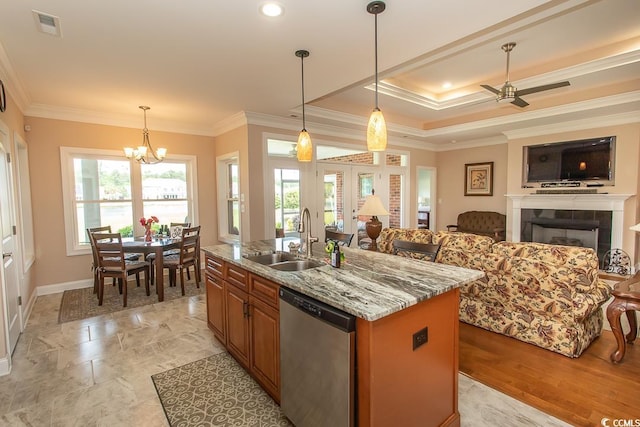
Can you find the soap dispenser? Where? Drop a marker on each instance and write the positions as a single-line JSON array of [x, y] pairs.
[[335, 255]]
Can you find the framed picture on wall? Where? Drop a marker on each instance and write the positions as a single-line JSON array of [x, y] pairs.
[[478, 179]]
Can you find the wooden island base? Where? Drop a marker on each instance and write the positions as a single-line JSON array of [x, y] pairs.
[[400, 386]]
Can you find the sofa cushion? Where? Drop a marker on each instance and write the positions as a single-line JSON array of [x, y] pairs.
[[388, 235], [463, 241]]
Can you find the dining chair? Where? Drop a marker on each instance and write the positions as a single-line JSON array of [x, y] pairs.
[[188, 256], [424, 251], [112, 263], [342, 238], [152, 257], [94, 266]]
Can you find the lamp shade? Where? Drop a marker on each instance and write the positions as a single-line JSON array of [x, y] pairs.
[[373, 207], [376, 132], [635, 227], [304, 148]]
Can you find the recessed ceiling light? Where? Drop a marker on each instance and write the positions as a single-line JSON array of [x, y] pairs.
[[271, 9], [446, 85]]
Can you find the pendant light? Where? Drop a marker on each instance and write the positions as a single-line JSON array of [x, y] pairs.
[[145, 153], [377, 128], [304, 148]]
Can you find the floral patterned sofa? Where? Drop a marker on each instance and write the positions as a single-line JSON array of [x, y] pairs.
[[547, 295]]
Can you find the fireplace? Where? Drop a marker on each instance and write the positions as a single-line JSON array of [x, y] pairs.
[[588, 220], [586, 228]]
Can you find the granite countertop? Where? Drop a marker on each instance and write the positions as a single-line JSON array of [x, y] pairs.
[[369, 285]]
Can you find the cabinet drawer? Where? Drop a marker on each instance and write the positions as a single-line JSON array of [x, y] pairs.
[[236, 276], [264, 289], [215, 266]]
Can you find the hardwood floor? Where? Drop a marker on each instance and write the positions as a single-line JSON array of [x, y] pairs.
[[579, 391]]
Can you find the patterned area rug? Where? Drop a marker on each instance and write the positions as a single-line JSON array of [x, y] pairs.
[[215, 391], [82, 303]]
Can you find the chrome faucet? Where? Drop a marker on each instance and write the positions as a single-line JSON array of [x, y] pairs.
[[302, 228]]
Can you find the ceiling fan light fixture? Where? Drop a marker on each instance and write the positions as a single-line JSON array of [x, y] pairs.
[[377, 128], [304, 147]]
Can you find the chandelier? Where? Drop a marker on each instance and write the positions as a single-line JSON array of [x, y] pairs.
[[145, 153]]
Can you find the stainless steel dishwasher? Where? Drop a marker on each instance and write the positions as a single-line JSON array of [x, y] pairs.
[[317, 362]]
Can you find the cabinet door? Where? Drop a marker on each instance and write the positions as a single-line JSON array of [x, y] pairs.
[[216, 314], [237, 323], [265, 346]]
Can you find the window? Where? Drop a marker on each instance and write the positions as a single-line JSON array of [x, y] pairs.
[[229, 198], [164, 190], [287, 200], [104, 188]]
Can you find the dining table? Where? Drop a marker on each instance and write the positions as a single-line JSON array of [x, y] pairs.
[[157, 246]]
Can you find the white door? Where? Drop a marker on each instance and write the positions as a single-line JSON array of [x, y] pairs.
[[9, 278]]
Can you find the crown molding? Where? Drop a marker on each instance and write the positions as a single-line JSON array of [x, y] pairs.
[[12, 83], [580, 106], [474, 143], [574, 125], [109, 119], [429, 100]]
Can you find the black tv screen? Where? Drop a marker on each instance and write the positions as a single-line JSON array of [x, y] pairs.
[[583, 160]]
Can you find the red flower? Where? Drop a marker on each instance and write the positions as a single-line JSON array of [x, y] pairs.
[[146, 222]]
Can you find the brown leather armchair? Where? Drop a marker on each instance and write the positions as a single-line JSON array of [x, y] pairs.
[[484, 223]]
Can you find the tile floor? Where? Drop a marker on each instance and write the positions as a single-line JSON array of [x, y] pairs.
[[97, 371]]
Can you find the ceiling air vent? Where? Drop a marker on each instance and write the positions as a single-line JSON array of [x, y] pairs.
[[47, 24]]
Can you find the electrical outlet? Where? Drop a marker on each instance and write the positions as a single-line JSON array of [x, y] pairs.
[[421, 337]]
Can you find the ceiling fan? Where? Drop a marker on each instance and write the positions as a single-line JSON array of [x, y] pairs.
[[509, 93]]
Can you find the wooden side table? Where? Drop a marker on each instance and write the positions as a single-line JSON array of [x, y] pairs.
[[626, 300]]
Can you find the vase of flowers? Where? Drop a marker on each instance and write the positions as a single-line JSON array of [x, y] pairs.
[[146, 223]]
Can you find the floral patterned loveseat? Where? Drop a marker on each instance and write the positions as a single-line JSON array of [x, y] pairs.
[[547, 295]]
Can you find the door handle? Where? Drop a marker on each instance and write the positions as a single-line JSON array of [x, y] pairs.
[[7, 254]]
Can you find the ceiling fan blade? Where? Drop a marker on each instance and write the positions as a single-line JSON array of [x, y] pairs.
[[491, 89], [541, 88], [519, 102]]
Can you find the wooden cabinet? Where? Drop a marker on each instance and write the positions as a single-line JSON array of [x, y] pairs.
[[238, 324], [216, 307], [243, 313]]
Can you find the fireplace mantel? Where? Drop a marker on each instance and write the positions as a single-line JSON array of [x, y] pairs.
[[597, 202]]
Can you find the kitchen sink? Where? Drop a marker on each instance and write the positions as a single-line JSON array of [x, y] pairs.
[[296, 265], [268, 259], [284, 261]]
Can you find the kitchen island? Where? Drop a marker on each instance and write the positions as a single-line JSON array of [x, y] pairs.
[[406, 326]]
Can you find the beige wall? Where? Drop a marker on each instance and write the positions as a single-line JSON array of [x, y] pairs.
[[52, 265], [451, 200]]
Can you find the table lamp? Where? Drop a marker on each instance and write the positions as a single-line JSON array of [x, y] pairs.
[[373, 207]]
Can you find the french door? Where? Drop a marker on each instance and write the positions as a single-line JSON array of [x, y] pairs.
[[344, 189]]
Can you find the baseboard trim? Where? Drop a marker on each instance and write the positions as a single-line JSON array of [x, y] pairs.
[[66, 286], [5, 366], [26, 312]]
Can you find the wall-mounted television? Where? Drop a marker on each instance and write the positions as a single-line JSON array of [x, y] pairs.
[[582, 160]]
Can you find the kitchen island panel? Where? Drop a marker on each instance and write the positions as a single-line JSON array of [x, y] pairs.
[[398, 385]]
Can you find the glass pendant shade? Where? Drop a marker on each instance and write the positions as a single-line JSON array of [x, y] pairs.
[[376, 132], [304, 147]]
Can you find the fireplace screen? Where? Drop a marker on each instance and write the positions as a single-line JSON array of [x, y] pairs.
[[585, 228]]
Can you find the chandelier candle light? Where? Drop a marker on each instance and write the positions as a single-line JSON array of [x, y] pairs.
[[145, 153], [373, 207], [377, 128], [304, 148]]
